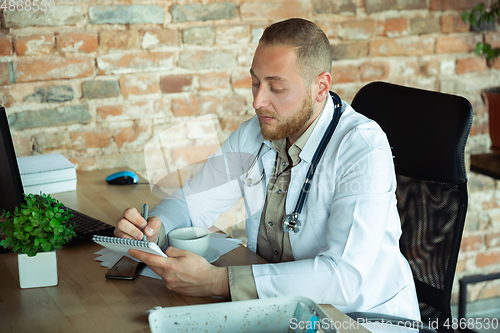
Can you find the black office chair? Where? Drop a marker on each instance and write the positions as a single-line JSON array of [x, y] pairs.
[[427, 132]]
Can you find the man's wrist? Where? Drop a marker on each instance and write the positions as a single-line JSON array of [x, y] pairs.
[[221, 282]]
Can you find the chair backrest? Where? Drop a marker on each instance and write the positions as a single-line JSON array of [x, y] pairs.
[[427, 132]]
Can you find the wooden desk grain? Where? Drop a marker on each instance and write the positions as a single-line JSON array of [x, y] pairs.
[[84, 300]]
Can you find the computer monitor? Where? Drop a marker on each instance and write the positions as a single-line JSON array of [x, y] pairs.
[[11, 189]]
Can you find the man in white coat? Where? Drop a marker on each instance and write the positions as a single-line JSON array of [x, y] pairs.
[[346, 252]]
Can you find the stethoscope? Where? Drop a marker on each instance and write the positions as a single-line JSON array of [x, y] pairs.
[[291, 221]]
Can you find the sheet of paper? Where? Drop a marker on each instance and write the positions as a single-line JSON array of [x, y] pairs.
[[218, 241]]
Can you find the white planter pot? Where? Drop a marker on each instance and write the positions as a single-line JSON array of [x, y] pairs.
[[37, 271]]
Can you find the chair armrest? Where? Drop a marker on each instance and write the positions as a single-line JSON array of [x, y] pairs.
[[388, 320]]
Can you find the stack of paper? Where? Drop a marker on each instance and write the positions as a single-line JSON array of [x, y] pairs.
[[51, 173]]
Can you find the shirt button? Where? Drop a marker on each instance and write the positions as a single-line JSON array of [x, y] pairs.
[[276, 252], [283, 164], [278, 191], [270, 223]]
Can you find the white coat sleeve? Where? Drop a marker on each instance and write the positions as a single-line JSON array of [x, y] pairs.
[[213, 190]]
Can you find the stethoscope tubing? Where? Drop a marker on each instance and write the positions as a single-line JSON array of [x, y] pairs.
[[319, 152], [249, 181]]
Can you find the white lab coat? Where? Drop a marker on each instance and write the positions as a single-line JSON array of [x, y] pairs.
[[347, 253]]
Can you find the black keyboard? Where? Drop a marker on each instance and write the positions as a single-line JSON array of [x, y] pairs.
[[85, 227]]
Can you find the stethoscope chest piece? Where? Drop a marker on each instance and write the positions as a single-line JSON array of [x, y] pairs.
[[292, 223]]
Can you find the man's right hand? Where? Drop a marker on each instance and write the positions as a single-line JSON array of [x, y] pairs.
[[131, 224]]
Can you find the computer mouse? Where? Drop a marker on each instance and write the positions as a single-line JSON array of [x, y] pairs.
[[122, 178]]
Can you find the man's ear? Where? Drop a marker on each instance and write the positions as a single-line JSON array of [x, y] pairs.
[[322, 83]]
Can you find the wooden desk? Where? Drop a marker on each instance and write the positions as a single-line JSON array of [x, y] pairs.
[[84, 300], [486, 164]]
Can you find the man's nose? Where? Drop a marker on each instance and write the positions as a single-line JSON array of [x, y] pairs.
[[260, 99]]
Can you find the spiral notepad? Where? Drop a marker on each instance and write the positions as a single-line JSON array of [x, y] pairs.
[[122, 245]]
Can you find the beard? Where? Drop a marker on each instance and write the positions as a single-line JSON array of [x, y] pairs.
[[289, 125]]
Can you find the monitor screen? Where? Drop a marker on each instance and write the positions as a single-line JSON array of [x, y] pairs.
[[11, 187]]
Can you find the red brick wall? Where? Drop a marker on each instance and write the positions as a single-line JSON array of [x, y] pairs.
[[96, 82]]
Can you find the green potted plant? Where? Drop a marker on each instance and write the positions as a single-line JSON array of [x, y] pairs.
[[35, 231], [482, 18]]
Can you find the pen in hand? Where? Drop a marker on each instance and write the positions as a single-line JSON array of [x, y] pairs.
[[144, 214]]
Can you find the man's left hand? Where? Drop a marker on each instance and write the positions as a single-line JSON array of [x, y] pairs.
[[187, 273]]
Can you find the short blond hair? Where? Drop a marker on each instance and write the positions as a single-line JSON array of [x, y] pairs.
[[310, 42]]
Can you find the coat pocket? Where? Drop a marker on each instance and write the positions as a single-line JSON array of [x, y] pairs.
[[318, 219]]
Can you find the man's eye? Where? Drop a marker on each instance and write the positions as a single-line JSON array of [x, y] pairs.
[[277, 91]]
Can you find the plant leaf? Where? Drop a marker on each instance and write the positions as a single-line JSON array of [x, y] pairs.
[[5, 243], [54, 223], [479, 48], [46, 247], [479, 7], [28, 228]]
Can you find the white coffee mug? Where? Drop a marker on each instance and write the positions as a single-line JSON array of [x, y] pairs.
[[194, 239]]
